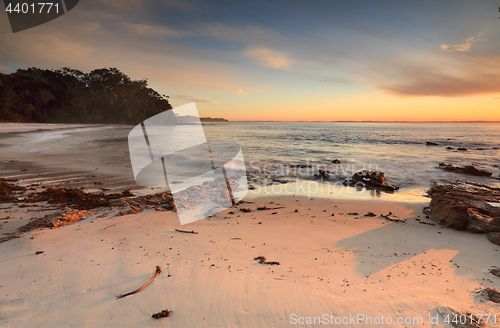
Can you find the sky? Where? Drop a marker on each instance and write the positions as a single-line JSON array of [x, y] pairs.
[[285, 60]]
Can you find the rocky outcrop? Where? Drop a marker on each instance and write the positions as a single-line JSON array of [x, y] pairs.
[[467, 169], [494, 237], [371, 180], [465, 206], [481, 223], [448, 313], [489, 294]]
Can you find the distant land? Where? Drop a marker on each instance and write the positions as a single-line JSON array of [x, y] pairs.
[[67, 95], [211, 119]]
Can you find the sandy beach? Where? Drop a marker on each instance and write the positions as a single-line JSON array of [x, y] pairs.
[[338, 266]]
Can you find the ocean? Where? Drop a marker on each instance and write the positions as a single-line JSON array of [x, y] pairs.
[[279, 149]]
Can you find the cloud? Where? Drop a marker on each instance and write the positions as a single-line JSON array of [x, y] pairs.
[[193, 98], [462, 46], [125, 4], [249, 34], [464, 75], [269, 58], [155, 31], [447, 86]]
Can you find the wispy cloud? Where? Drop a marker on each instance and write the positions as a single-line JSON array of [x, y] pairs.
[[124, 4], [249, 34], [193, 98], [270, 58], [443, 77], [155, 31], [462, 46]]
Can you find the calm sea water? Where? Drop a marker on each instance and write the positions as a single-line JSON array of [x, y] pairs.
[[398, 149]]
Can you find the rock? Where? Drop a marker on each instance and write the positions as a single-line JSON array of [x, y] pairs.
[[373, 179], [162, 314], [494, 270], [324, 174], [481, 223], [465, 206], [481, 149], [449, 148], [336, 161], [490, 294], [450, 213], [467, 169], [494, 237], [495, 148], [448, 313], [429, 143], [462, 149]]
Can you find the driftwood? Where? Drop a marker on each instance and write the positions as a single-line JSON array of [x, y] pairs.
[[187, 231], [162, 314], [262, 260], [391, 219], [158, 270], [262, 208]]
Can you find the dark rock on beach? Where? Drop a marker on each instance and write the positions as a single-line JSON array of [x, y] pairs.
[[467, 169], [449, 148], [472, 320], [462, 149], [430, 143], [494, 237], [465, 206], [371, 180], [336, 161], [482, 223], [490, 294], [162, 314]]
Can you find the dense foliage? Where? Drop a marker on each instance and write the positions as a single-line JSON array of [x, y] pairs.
[[68, 95]]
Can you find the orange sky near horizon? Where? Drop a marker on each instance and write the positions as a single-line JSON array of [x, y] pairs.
[[366, 107], [285, 61]]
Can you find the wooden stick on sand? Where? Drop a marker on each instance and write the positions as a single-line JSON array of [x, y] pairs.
[[158, 270]]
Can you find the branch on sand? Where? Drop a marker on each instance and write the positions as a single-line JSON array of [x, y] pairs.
[[391, 219], [187, 231], [158, 270]]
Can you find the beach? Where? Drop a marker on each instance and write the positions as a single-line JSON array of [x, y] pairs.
[[344, 258]]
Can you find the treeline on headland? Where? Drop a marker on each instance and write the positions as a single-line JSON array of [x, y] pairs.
[[68, 95], [213, 119]]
